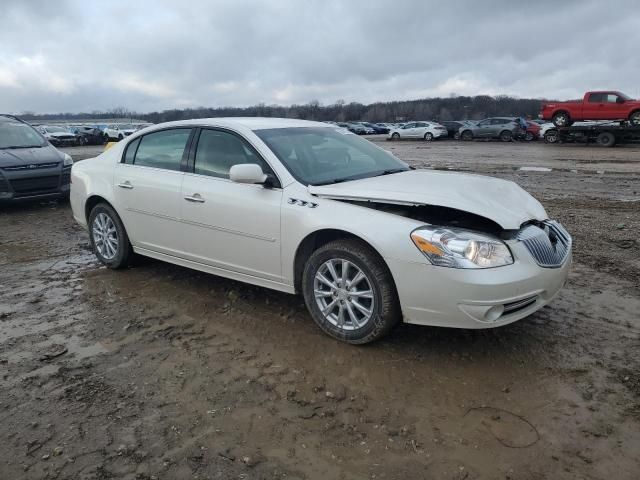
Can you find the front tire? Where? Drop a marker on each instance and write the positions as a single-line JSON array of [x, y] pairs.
[[506, 136], [467, 135], [350, 292], [395, 136], [109, 239], [529, 137], [551, 136]]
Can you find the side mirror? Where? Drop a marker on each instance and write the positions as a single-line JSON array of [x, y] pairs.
[[247, 173]]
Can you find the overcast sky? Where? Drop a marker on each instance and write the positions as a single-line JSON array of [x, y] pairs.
[[80, 56]]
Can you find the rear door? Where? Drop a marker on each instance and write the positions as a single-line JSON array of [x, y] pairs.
[[594, 107], [229, 225], [147, 189]]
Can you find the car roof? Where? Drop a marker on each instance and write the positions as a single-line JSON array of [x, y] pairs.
[[252, 123]]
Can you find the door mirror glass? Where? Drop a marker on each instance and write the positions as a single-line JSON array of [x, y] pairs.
[[247, 173]]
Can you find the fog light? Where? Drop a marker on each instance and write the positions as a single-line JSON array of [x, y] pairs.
[[494, 313]]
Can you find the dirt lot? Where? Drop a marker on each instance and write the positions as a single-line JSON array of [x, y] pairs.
[[162, 372]]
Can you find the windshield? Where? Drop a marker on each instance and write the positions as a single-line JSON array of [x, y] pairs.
[[625, 97], [323, 155], [57, 130], [15, 134]]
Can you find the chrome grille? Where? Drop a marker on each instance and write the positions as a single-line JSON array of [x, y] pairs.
[[548, 242], [34, 166]]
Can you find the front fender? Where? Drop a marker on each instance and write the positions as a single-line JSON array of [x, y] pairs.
[[387, 233]]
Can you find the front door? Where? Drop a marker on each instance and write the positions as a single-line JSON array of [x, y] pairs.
[[147, 190], [230, 225]]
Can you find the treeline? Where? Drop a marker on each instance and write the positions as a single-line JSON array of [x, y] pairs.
[[438, 109]]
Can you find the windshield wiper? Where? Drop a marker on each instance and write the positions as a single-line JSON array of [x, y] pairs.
[[15, 147], [390, 172], [331, 182], [361, 176]]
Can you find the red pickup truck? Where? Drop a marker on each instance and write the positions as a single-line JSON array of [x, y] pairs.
[[603, 105]]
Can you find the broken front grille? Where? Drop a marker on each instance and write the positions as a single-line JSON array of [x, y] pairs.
[[548, 243]]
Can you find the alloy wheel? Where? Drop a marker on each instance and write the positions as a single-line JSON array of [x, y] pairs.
[[344, 294], [105, 236]]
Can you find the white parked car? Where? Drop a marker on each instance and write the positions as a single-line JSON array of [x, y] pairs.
[[426, 130], [305, 207], [118, 132], [58, 136]]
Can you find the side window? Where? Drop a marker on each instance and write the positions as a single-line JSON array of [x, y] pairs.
[[162, 149], [218, 151], [596, 98], [611, 98], [131, 151]]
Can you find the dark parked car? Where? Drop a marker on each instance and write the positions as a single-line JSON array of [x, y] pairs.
[[378, 129], [504, 128], [90, 136], [30, 167]]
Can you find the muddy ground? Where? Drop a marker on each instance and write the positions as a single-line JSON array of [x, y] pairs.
[[162, 372]]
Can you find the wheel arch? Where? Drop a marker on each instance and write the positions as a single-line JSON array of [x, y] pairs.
[[317, 239], [466, 130], [560, 110], [91, 202]]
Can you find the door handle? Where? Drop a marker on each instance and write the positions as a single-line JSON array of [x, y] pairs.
[[126, 185], [196, 198]]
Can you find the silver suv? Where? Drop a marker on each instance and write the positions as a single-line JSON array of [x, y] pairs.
[[504, 128]]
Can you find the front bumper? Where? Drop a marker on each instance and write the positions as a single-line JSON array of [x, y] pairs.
[[483, 298]]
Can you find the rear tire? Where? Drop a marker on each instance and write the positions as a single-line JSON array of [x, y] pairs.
[[529, 137], [606, 139], [428, 137], [634, 118], [108, 237], [561, 119], [375, 292]]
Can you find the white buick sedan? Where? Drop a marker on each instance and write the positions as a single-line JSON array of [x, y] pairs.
[[309, 208]]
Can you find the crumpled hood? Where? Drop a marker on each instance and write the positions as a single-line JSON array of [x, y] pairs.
[[502, 201], [29, 156], [60, 134]]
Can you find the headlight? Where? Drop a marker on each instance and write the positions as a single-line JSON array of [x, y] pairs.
[[456, 248], [67, 160]]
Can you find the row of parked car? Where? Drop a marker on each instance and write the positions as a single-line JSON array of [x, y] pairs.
[[503, 128], [96, 134]]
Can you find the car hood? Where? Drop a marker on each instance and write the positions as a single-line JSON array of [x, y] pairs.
[[59, 134], [502, 201], [29, 156]]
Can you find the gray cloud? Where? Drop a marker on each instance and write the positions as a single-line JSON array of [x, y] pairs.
[[147, 55]]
